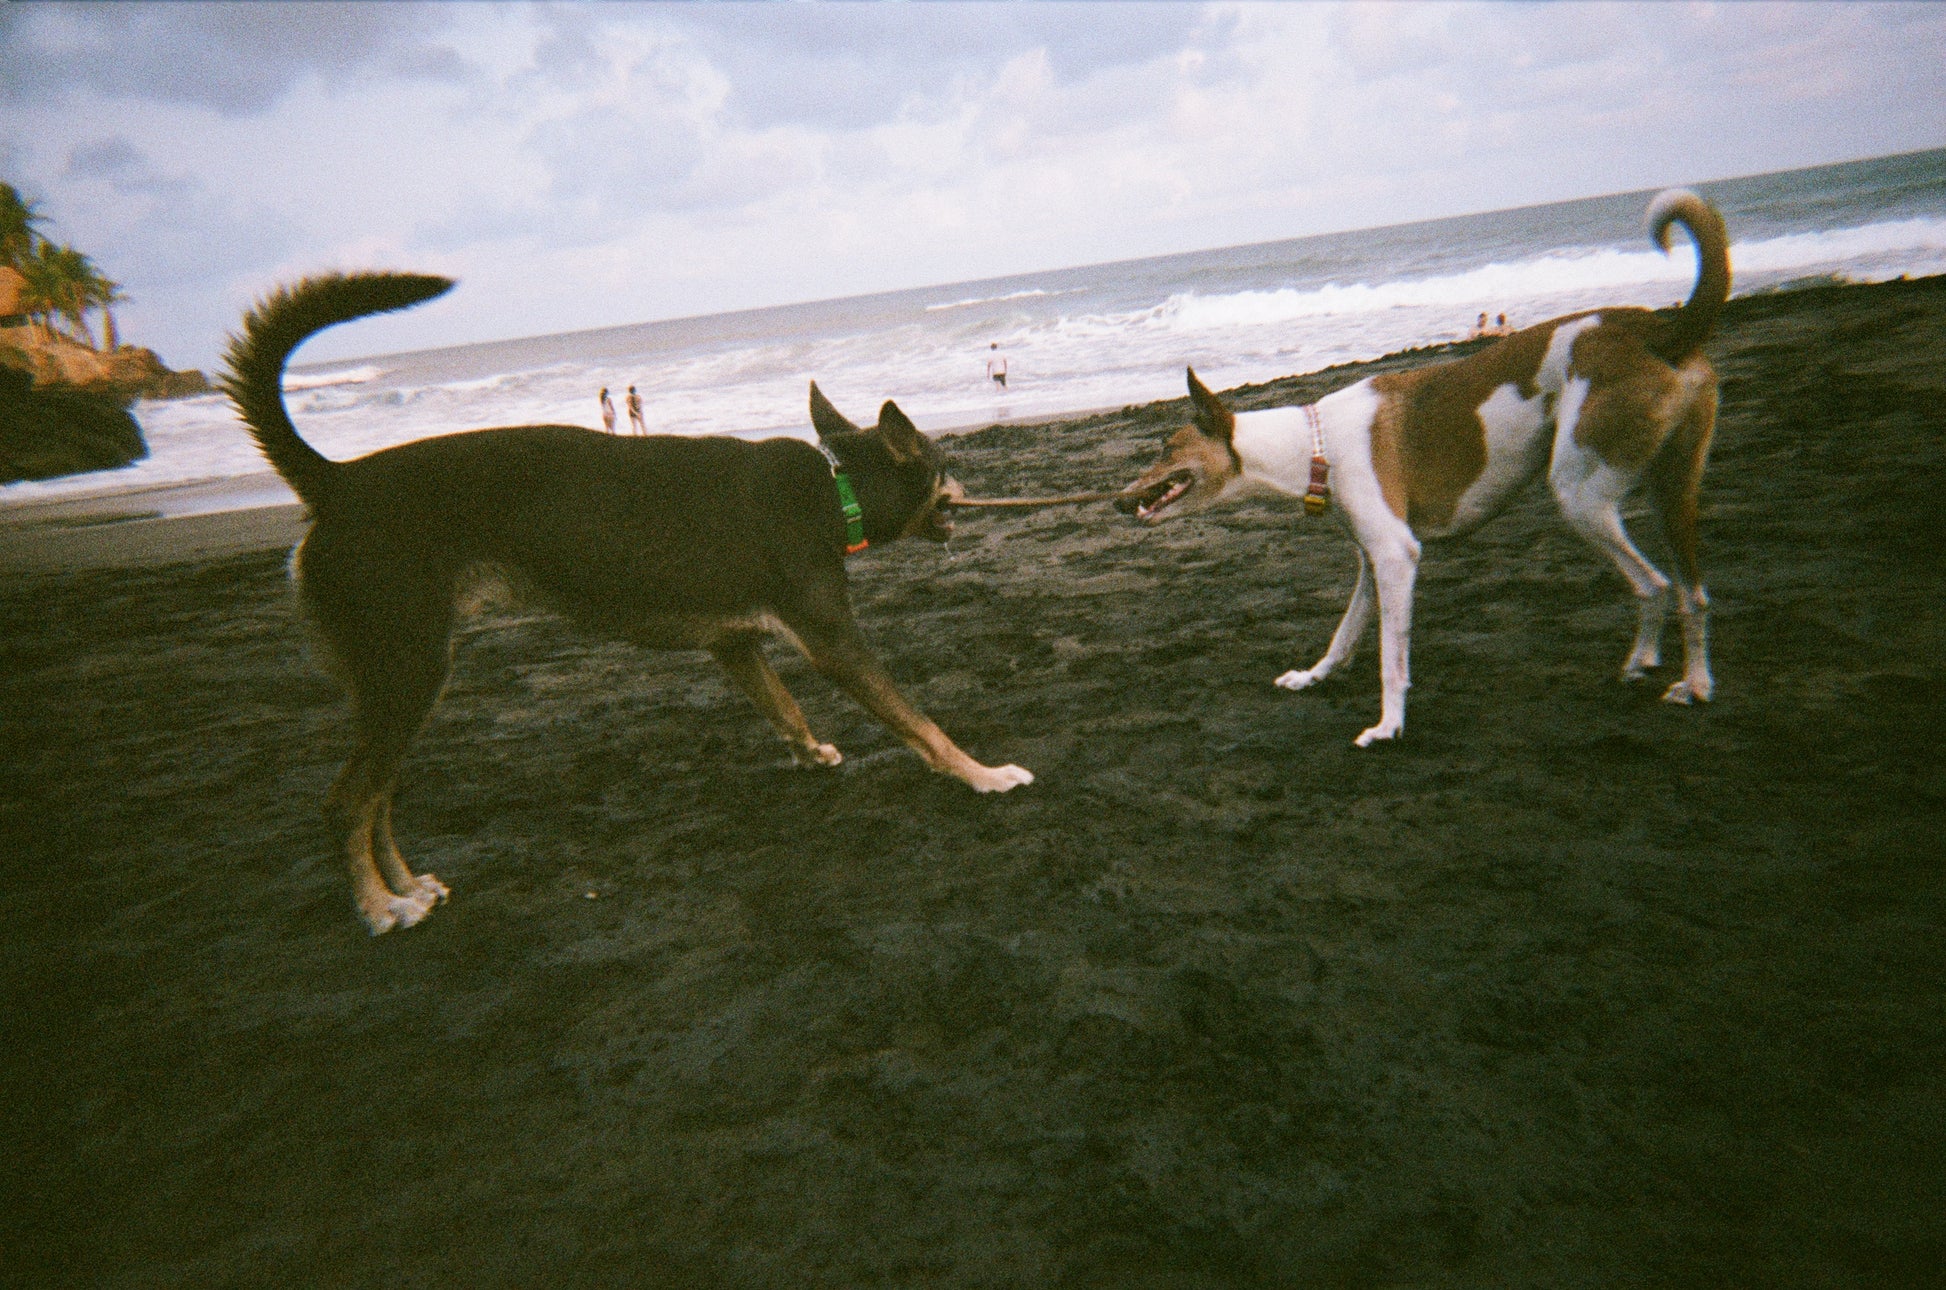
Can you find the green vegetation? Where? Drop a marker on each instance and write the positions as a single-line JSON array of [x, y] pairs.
[[58, 284]]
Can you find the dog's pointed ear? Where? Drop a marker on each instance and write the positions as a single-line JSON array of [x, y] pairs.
[[1213, 415], [899, 435], [825, 419]]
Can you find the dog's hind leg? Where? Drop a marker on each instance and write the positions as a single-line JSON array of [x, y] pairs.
[[1590, 492], [1343, 641], [1676, 477], [391, 861], [387, 630], [743, 658], [1598, 519], [360, 799]]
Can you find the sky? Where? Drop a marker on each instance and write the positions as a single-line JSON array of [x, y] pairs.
[[586, 165]]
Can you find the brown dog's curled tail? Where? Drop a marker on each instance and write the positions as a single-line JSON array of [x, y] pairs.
[[1695, 321], [278, 325]]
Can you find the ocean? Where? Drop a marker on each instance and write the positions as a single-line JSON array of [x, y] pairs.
[[1097, 336]]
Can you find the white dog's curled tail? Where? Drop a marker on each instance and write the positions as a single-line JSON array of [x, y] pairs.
[[1695, 321]]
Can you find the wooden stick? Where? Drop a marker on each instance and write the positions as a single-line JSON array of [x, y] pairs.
[[1034, 501]]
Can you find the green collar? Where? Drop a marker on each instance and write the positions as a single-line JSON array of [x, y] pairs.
[[848, 502]]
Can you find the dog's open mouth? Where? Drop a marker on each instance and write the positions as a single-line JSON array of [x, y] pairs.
[[1157, 497]]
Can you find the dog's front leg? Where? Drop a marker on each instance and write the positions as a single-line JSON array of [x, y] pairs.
[[1343, 641], [837, 651], [1395, 562], [743, 658]]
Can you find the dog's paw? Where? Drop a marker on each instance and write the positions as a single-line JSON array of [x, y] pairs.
[[1383, 730], [814, 757], [1639, 664], [397, 911], [998, 779], [1687, 692], [413, 909], [432, 887], [1295, 680]]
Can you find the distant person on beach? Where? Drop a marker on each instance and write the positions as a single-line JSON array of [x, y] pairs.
[[997, 365], [607, 411], [635, 422], [1498, 327]]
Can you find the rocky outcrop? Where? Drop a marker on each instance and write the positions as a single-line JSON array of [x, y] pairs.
[[48, 430], [127, 373], [64, 406]]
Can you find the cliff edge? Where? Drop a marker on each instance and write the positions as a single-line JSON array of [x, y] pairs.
[[64, 406]]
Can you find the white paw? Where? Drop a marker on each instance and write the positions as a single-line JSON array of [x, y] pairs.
[[410, 910], [398, 911], [1687, 692], [1295, 680], [1383, 730], [998, 779], [821, 755], [431, 886]]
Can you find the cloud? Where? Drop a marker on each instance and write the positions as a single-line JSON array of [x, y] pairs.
[[231, 58], [584, 165], [807, 64]]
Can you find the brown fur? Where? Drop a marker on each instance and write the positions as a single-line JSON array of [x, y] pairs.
[[1450, 444], [1428, 443], [666, 541]]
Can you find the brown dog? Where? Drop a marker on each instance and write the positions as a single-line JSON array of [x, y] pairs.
[[671, 542], [1601, 401]]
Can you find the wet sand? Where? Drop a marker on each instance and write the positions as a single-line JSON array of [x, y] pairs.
[[1567, 988]]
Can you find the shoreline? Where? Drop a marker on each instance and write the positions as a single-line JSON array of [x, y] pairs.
[[153, 525], [143, 539]]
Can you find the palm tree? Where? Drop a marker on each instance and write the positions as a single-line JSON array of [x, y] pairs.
[[81, 287], [53, 288], [17, 219], [57, 281], [40, 287]]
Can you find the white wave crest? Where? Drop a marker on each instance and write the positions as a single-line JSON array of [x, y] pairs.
[[319, 380], [1866, 253], [1030, 293]]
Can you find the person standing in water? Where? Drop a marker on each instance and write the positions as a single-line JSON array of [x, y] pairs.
[[635, 422], [607, 411], [996, 365]]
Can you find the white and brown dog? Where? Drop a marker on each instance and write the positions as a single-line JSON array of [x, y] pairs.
[[1603, 400]]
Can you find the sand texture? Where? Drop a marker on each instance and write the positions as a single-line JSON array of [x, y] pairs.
[[1567, 988]]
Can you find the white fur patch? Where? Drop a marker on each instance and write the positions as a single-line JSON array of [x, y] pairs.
[[1516, 444], [1552, 377]]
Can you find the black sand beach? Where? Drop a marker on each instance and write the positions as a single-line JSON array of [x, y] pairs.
[[1568, 988]]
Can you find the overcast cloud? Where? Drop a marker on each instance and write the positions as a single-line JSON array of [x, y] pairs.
[[585, 165]]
